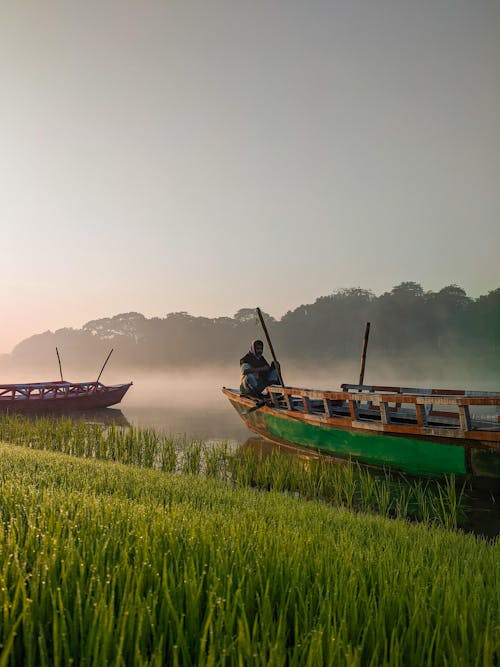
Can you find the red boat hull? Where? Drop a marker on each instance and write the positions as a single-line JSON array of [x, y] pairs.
[[59, 397]]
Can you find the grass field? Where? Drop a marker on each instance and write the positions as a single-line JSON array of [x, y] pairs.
[[103, 563], [348, 485]]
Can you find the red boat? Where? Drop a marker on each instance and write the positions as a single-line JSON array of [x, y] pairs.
[[59, 396]]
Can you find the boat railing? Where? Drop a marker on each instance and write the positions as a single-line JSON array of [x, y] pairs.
[[49, 390], [416, 390], [422, 412]]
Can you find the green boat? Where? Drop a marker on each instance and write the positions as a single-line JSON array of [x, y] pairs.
[[429, 432]]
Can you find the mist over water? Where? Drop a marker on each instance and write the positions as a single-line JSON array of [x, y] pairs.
[[190, 403]]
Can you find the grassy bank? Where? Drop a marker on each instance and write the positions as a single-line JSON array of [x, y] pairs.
[[347, 485], [107, 564]]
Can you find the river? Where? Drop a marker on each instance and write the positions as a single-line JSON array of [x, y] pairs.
[[193, 407]]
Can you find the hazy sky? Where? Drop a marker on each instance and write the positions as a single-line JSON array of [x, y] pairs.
[[207, 156]]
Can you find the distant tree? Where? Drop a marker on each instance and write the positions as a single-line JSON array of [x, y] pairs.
[[454, 295], [486, 319], [406, 323], [407, 290], [327, 328], [78, 350], [250, 315], [448, 312], [245, 315], [400, 314], [124, 324]]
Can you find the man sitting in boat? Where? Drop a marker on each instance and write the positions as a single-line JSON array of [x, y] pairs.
[[256, 373]]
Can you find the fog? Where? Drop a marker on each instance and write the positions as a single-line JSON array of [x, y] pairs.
[[156, 387], [191, 403]]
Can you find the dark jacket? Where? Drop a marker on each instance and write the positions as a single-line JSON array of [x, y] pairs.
[[253, 361]]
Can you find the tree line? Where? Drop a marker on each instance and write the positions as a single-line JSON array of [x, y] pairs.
[[407, 323]]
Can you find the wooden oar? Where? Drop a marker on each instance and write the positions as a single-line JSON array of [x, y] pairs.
[[276, 363]]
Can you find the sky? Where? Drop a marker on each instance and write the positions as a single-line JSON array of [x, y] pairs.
[[205, 156]]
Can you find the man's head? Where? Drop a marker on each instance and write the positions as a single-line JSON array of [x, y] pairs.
[[257, 347]]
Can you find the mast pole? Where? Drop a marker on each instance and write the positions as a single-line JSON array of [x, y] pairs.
[[363, 353], [59, 360], [103, 366]]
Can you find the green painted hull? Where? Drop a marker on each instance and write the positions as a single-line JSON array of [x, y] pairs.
[[427, 454], [411, 446], [413, 456]]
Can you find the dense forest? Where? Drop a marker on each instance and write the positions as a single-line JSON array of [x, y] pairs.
[[408, 325]]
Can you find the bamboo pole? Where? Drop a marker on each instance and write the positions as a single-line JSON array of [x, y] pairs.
[[276, 363], [59, 360], [104, 366], [363, 354]]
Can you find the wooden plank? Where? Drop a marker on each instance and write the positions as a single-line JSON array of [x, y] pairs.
[[464, 416], [385, 415], [397, 398], [274, 397], [421, 414], [353, 409], [328, 407]]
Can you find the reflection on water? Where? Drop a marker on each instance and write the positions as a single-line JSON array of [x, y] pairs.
[[483, 509], [481, 498], [197, 422], [105, 416], [202, 424], [183, 404], [265, 447]]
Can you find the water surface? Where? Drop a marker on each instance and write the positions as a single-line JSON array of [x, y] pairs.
[[193, 407]]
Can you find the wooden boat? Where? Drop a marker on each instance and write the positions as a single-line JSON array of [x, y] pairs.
[[431, 432], [59, 396]]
